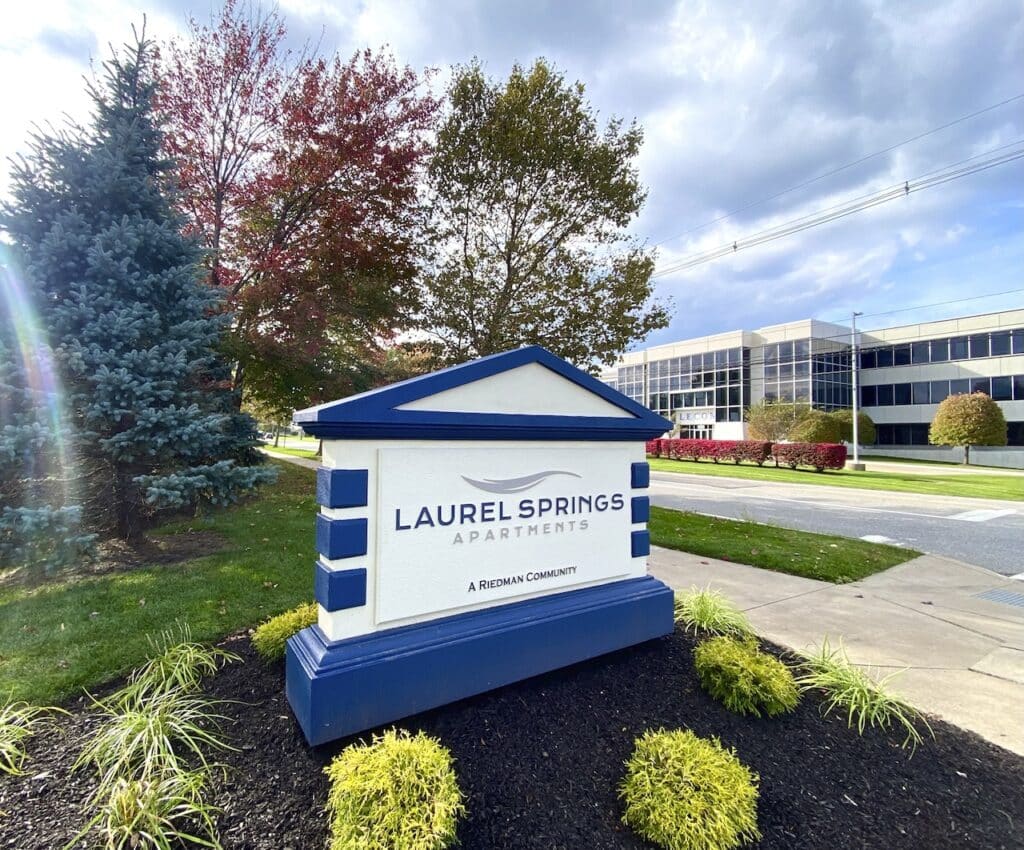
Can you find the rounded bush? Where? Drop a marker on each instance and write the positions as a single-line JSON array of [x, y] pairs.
[[270, 638], [744, 679], [398, 793], [688, 793]]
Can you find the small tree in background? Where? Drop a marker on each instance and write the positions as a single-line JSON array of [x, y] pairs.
[[773, 420], [815, 426], [865, 426], [968, 420], [133, 331]]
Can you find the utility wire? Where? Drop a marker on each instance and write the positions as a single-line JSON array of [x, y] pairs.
[[841, 168], [936, 177]]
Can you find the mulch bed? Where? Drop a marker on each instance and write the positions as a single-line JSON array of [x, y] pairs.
[[540, 762]]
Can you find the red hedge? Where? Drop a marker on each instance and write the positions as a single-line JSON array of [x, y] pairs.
[[818, 455]]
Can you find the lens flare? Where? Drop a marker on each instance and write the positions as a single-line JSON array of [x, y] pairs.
[[22, 325]]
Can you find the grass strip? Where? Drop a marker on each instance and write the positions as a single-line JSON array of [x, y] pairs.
[[800, 553], [979, 486]]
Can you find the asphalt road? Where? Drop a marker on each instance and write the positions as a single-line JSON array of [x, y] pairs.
[[984, 532]]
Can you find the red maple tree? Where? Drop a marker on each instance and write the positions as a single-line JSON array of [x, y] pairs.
[[301, 175]]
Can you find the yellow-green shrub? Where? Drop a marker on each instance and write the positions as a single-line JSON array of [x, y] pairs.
[[398, 793], [688, 793], [270, 637], [744, 679]]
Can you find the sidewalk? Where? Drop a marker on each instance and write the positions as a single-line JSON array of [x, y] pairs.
[[963, 656]]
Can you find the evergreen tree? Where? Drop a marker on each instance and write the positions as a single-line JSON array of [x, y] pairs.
[[133, 331]]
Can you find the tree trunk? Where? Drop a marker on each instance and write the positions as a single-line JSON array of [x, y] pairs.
[[277, 435], [126, 503], [967, 455], [320, 449]]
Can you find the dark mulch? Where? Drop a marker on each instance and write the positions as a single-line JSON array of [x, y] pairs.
[[540, 762]]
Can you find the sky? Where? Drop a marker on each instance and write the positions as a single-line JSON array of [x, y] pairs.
[[739, 102]]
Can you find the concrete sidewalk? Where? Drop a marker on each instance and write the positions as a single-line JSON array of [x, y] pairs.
[[963, 656]]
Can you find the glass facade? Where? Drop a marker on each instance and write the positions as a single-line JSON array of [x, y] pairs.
[[808, 371], [718, 379], [1001, 388], [967, 347]]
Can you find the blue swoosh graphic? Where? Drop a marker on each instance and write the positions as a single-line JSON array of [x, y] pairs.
[[516, 485]]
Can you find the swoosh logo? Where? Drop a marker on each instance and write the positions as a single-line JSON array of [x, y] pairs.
[[516, 485]]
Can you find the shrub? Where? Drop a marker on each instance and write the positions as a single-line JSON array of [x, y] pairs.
[[19, 721], [755, 451], [821, 456], [744, 679], [398, 793], [815, 426], [773, 420], [178, 663], [270, 638], [849, 689], [163, 812], [709, 611], [686, 793], [865, 426]]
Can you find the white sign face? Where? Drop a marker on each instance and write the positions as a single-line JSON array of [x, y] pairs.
[[467, 527]]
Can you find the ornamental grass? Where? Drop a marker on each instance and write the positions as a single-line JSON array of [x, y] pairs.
[[743, 678], [397, 793], [19, 721], [682, 792], [708, 611], [270, 638]]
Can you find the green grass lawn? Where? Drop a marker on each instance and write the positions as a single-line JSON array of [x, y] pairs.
[[978, 486], [295, 452], [61, 637], [783, 550]]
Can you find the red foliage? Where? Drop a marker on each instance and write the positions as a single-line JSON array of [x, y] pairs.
[[755, 451], [819, 455], [301, 176]]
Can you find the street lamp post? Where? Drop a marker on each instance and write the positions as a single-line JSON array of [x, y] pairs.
[[856, 465]]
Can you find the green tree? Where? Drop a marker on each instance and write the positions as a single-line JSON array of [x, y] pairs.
[[530, 201], [968, 420], [132, 331], [815, 426], [773, 420], [865, 426]]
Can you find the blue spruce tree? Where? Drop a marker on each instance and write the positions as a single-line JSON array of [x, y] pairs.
[[133, 331]]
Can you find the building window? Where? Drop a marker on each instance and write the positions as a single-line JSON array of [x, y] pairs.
[[884, 357], [958, 348], [939, 350], [1002, 388], [979, 346], [1018, 341], [901, 394], [901, 355], [869, 396], [959, 386], [1000, 344], [919, 352], [919, 392], [885, 395], [1018, 387], [868, 359], [981, 385], [939, 391]]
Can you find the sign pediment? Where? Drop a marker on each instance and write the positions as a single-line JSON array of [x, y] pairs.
[[527, 394]]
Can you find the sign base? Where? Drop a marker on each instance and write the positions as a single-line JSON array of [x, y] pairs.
[[349, 686]]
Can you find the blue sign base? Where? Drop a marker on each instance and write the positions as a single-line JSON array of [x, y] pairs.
[[349, 686]]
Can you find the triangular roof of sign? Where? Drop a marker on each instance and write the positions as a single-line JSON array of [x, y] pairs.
[[525, 394]]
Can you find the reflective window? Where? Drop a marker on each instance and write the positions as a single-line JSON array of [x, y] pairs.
[[771, 373], [940, 350], [939, 390], [958, 348], [1018, 341], [868, 359], [1002, 388], [901, 355], [884, 395], [919, 352], [802, 391], [884, 357], [919, 392], [901, 394], [1000, 344], [801, 348], [785, 351], [786, 370], [1018, 387], [771, 353], [802, 368], [981, 385], [960, 386], [868, 396], [979, 346]]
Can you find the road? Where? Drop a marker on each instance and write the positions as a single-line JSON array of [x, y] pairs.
[[984, 532]]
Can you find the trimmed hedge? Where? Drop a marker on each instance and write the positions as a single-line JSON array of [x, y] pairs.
[[821, 456], [743, 678], [270, 638]]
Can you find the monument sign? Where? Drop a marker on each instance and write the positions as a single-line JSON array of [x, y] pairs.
[[478, 525]]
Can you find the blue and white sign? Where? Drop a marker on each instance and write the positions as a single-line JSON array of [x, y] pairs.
[[477, 526]]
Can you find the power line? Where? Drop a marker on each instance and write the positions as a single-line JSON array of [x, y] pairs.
[[936, 177], [841, 168]]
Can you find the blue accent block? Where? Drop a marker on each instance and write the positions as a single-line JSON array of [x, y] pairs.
[[640, 543], [337, 590], [350, 686], [640, 476], [640, 508], [340, 538], [341, 488]]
